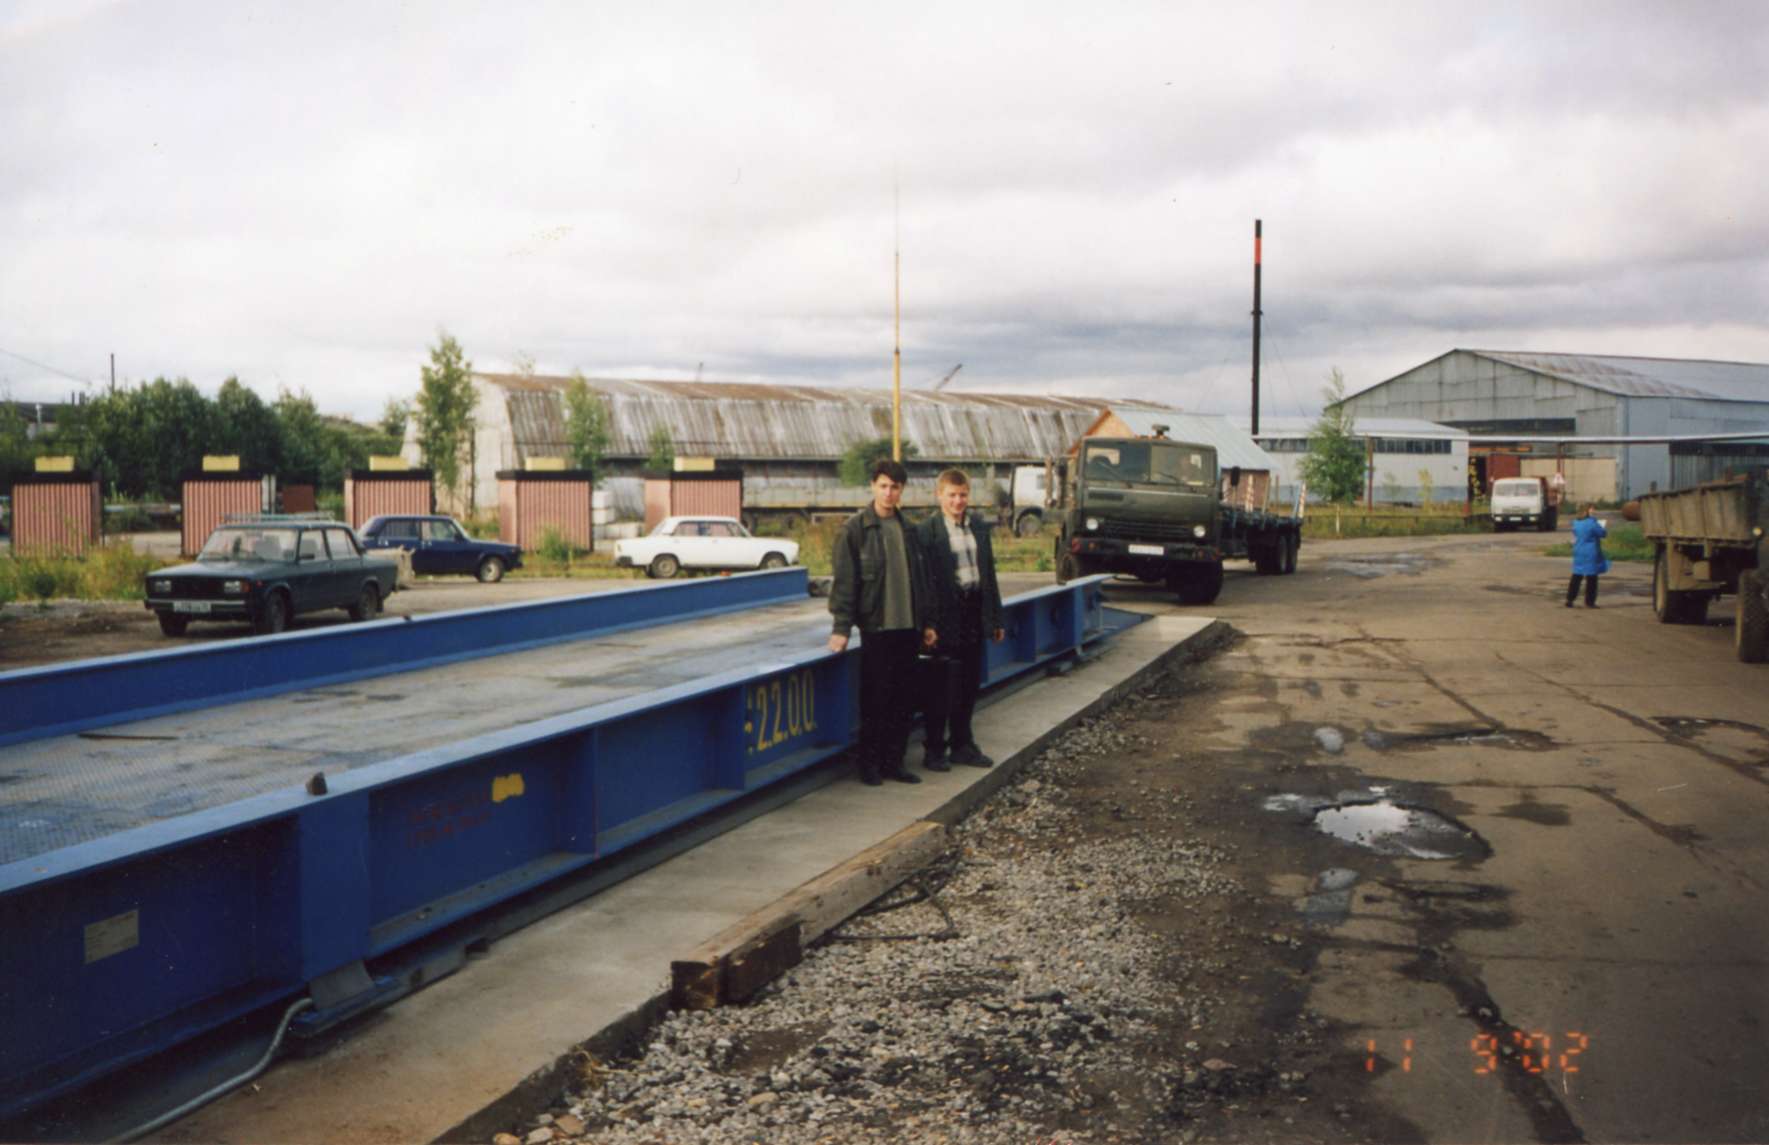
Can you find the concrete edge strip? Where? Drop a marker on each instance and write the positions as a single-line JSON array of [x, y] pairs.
[[737, 962]]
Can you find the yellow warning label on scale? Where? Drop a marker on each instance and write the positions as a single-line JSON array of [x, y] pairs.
[[112, 935], [507, 787]]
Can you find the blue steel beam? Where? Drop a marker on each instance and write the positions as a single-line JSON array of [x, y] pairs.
[[121, 947], [59, 699]]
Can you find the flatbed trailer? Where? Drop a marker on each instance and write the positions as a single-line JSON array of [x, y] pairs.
[[319, 822], [1709, 542]]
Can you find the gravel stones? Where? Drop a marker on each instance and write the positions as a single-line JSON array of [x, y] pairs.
[[1001, 995]]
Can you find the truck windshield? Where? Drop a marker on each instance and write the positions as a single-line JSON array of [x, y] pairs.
[[1517, 487], [1147, 463]]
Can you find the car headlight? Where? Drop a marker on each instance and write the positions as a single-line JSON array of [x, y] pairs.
[[233, 587], [1092, 523], [160, 585], [1198, 531]]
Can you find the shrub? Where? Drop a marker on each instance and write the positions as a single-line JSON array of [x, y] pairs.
[[554, 546]]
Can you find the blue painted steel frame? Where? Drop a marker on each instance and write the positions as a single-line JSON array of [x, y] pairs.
[[116, 949], [59, 699]]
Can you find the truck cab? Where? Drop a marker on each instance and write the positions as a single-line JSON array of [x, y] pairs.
[[1523, 502], [1146, 507]]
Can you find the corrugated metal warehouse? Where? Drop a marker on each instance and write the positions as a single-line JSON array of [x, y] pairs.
[[1415, 460], [1504, 393], [776, 434]]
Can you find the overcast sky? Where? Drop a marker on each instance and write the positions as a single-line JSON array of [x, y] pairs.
[[305, 194]]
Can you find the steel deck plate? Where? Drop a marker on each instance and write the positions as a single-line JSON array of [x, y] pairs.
[[72, 789]]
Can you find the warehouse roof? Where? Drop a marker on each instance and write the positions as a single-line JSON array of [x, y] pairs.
[[768, 422], [1640, 377], [1361, 427]]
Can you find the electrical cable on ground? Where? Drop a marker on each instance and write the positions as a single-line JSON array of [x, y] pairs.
[[225, 1087]]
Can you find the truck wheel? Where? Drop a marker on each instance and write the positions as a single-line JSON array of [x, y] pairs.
[[1028, 524], [1750, 637], [1199, 585], [1267, 559], [1068, 568], [171, 625], [1292, 542]]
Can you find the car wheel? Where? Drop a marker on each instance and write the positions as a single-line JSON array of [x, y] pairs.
[[774, 561], [367, 605], [664, 566], [274, 616], [171, 625], [491, 570]]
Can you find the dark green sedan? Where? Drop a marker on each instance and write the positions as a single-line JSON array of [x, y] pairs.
[[268, 570]]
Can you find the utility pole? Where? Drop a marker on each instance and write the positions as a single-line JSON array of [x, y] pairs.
[[897, 307], [1258, 242]]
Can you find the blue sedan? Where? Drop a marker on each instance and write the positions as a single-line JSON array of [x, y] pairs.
[[439, 546]]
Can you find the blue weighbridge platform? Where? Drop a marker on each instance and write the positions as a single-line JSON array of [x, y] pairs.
[[194, 835]]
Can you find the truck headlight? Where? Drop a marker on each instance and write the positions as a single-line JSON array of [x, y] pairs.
[[1092, 523], [233, 587], [160, 585], [1198, 531]]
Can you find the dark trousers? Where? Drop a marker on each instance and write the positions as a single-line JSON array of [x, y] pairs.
[[1572, 589], [887, 697], [952, 680]]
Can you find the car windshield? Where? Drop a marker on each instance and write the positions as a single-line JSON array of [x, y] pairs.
[[1146, 463], [249, 544]]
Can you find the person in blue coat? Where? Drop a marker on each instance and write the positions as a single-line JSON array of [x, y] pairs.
[[1588, 561]]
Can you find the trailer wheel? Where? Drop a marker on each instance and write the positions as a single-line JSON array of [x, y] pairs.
[[1268, 560], [1287, 564], [1670, 606], [1750, 638]]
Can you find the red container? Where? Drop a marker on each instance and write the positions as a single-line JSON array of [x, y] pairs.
[[531, 502], [56, 514], [718, 493], [208, 499], [369, 493]]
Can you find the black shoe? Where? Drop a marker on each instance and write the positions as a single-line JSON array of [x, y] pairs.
[[1569, 604], [935, 761], [903, 775], [869, 776], [971, 756]]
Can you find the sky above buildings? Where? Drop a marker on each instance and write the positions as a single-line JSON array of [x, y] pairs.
[[304, 195]]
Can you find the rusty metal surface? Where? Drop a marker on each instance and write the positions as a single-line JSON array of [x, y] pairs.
[[706, 499], [765, 422], [55, 518]]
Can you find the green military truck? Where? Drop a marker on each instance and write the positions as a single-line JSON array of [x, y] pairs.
[[1709, 541], [1153, 508]]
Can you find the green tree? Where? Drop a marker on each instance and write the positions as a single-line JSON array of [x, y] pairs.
[[141, 440], [1334, 466], [245, 426], [307, 444], [445, 417], [857, 462], [394, 415], [16, 449], [663, 450], [586, 426]]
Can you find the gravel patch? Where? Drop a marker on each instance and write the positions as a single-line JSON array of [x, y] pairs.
[[1011, 992]]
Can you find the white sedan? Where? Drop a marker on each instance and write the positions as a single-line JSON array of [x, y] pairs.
[[702, 543]]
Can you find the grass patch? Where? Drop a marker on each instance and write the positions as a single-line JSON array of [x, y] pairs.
[[112, 571], [1325, 522], [1626, 542]]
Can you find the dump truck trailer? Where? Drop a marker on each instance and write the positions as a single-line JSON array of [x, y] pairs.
[[1709, 542]]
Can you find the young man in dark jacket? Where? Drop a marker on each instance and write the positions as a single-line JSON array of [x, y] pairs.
[[878, 586], [966, 607]]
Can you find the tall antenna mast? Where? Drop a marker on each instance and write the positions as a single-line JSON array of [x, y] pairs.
[[1258, 243], [897, 305]]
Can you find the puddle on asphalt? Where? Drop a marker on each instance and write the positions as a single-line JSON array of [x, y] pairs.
[[1463, 737], [1368, 568], [1390, 828], [1329, 901]]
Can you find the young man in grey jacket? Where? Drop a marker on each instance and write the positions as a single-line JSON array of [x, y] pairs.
[[878, 587]]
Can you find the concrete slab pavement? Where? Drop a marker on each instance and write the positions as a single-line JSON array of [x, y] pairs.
[[440, 1061]]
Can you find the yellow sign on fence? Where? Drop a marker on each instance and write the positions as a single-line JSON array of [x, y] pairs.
[[694, 465], [55, 465], [384, 463], [546, 465], [221, 463]]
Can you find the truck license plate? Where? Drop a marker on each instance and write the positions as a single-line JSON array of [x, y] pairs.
[[1147, 550], [190, 606]]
